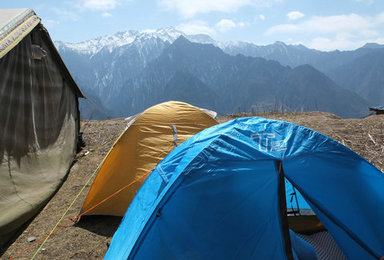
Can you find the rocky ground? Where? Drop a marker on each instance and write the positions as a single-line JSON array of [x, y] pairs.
[[89, 237]]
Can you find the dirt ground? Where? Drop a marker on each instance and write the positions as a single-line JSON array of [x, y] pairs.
[[89, 238]]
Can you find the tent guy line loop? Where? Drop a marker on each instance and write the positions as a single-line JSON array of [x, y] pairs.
[[79, 216]]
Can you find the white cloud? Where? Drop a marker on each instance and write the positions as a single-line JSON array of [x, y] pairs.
[[379, 19], [189, 8], [64, 14], [295, 15], [338, 43], [367, 2], [341, 42], [334, 32], [283, 28], [330, 24], [106, 15], [196, 27], [201, 27], [257, 19], [225, 25], [49, 23], [102, 5]]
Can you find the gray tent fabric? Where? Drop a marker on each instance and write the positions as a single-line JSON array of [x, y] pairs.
[[39, 118], [324, 245]]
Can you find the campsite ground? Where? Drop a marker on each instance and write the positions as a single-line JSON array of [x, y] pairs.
[[89, 238]]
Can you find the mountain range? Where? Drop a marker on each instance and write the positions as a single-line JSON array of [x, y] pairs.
[[127, 72]]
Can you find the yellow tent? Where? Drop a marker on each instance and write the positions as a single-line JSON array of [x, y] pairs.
[[149, 137]]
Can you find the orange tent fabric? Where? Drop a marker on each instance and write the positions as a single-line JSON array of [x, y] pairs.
[[149, 137]]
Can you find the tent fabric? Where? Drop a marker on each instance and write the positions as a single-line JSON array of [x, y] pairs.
[[39, 118], [215, 196], [149, 137], [302, 249], [324, 245]]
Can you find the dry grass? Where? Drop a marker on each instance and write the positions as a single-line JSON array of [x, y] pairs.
[[88, 238]]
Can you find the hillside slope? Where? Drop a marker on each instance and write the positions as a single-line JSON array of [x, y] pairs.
[[364, 75], [123, 74], [235, 83]]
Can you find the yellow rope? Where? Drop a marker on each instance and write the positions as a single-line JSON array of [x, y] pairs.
[[73, 202], [85, 212]]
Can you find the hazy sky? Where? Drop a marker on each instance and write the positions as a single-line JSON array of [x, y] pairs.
[[318, 24]]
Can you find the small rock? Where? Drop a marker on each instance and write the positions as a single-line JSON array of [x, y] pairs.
[[31, 239]]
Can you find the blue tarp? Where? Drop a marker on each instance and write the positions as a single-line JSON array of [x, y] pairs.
[[216, 196]]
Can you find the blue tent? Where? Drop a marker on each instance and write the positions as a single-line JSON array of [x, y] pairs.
[[221, 195]]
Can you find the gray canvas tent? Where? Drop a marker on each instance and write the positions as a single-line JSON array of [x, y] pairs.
[[39, 118]]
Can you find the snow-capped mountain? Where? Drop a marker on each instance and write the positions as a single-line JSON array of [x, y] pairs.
[[93, 46], [102, 66], [113, 70], [296, 55], [111, 42]]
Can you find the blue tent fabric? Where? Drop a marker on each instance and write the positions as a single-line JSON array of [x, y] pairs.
[[215, 196]]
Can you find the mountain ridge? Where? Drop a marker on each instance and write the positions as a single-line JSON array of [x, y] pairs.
[[234, 83], [170, 34], [115, 69]]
